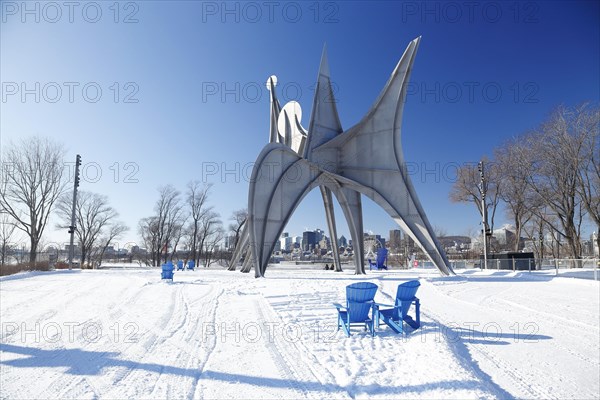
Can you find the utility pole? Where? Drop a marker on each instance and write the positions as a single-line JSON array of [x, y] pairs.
[[484, 229], [72, 227]]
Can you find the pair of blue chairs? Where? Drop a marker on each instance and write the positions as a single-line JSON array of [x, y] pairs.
[[190, 265], [360, 302]]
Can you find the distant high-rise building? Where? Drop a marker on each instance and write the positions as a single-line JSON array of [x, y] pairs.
[[319, 234], [594, 239], [504, 235], [325, 243], [309, 240], [230, 242], [376, 238], [286, 243], [408, 244], [395, 239], [342, 242]]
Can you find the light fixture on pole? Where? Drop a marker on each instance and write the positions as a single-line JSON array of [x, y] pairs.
[[72, 227], [484, 229]]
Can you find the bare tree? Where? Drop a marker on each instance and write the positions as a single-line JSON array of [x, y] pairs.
[[32, 183], [439, 231], [239, 218], [7, 229], [197, 196], [535, 229], [209, 234], [466, 188], [588, 126], [148, 230], [162, 231], [177, 233], [514, 168], [115, 230], [93, 216], [213, 237], [556, 160]]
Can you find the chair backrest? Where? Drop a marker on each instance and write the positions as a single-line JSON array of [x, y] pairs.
[[405, 295], [359, 311], [381, 256], [361, 291], [359, 299]]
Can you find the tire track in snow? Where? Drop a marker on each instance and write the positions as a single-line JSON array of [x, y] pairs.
[[210, 346], [190, 357], [317, 371], [68, 384], [98, 383], [567, 323], [66, 381], [181, 300], [522, 379], [32, 309], [102, 384], [462, 351], [281, 360], [160, 345]]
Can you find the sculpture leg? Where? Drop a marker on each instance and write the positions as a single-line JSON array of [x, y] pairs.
[[352, 208], [280, 180], [247, 266], [329, 214], [240, 248]]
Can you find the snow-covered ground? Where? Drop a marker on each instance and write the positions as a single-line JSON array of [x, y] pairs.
[[217, 334]]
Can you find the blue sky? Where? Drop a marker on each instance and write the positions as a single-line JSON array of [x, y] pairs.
[[183, 95]]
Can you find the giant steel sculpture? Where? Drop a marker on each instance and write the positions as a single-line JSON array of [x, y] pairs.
[[365, 159]]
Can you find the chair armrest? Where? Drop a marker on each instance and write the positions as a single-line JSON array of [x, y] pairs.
[[338, 306], [377, 305]]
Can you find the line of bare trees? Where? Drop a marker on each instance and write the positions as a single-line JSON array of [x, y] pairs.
[[35, 183], [182, 219], [548, 179], [32, 181]]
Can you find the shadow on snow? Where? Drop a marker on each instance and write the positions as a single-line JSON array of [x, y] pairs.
[[82, 362]]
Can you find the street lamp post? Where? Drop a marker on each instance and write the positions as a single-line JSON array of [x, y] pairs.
[[484, 230], [72, 227]]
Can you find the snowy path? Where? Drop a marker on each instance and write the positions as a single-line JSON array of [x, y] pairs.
[[216, 334]]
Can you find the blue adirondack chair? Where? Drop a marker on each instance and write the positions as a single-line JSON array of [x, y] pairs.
[[180, 265], [167, 271], [359, 302], [381, 260], [191, 265], [395, 316]]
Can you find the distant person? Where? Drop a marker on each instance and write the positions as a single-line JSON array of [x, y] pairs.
[[326, 267]]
